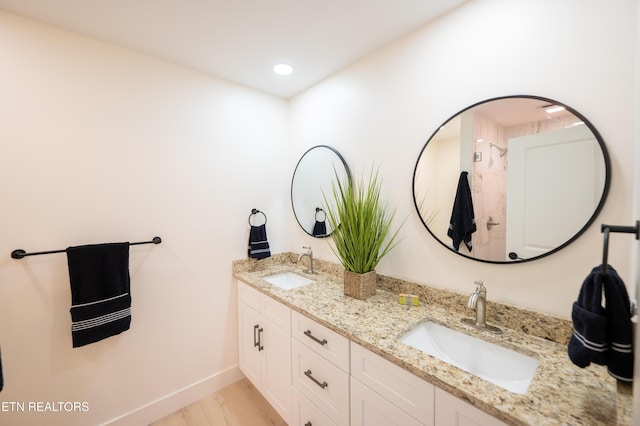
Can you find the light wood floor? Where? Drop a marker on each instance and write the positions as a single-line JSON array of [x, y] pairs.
[[239, 404]]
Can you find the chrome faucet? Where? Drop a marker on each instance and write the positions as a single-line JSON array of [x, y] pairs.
[[309, 256], [478, 302]]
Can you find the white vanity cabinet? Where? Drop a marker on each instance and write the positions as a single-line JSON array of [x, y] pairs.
[[384, 394], [314, 376], [320, 368], [264, 327], [452, 411]]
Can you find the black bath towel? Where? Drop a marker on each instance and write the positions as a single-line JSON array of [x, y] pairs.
[[463, 221], [589, 341], [603, 335], [100, 291], [618, 307], [319, 229], [1, 378], [258, 244]]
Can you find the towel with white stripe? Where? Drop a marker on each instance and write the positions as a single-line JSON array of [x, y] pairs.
[[100, 291]]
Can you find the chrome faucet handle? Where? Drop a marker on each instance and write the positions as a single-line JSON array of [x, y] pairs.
[[309, 251]]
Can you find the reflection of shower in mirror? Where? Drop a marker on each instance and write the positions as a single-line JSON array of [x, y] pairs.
[[503, 152]]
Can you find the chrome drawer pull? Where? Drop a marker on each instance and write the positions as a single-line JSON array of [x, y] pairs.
[[322, 385], [314, 338]]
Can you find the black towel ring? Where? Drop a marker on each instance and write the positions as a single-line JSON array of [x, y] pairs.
[[324, 215], [255, 212], [606, 229]]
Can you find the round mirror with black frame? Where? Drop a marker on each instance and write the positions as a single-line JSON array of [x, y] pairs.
[[312, 178], [511, 179]]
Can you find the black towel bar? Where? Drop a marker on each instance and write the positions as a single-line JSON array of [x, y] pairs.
[[19, 253], [606, 229]]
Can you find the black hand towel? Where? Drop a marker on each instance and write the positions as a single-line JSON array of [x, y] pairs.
[[620, 330], [319, 229], [100, 291], [589, 341], [258, 244], [463, 221], [1, 378]]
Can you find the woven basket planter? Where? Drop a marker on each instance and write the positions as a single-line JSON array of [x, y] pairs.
[[360, 286]]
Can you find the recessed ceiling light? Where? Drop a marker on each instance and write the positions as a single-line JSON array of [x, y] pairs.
[[553, 108], [282, 69]]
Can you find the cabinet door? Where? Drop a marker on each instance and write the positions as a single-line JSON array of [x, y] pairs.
[[451, 411], [249, 334], [370, 409], [276, 368]]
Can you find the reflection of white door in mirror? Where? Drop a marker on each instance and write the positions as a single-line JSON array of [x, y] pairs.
[[551, 185]]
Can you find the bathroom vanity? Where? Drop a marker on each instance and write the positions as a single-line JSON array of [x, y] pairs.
[[322, 358]]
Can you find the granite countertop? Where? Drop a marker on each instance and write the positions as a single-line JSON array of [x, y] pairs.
[[560, 393]]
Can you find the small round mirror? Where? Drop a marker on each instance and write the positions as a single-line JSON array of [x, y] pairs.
[[511, 179], [312, 178]]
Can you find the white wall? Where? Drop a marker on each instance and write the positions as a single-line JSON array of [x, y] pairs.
[[382, 109], [100, 144]]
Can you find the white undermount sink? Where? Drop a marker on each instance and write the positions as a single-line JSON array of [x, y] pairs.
[[503, 367], [288, 280]]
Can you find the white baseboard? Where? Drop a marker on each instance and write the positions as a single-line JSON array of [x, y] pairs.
[[174, 401]]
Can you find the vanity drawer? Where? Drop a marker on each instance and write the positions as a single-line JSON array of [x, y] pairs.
[[305, 413], [321, 382], [403, 389], [325, 342]]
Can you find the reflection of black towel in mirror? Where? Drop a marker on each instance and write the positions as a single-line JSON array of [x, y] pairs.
[[319, 229], [258, 244], [463, 222]]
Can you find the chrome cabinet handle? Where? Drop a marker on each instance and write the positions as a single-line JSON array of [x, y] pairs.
[[314, 338], [322, 385]]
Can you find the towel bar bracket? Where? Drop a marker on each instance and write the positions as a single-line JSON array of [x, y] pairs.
[[606, 229], [623, 229]]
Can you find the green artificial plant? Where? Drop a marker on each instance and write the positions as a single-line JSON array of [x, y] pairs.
[[361, 223]]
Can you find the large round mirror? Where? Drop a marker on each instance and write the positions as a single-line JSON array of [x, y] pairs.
[[312, 178], [511, 179]]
